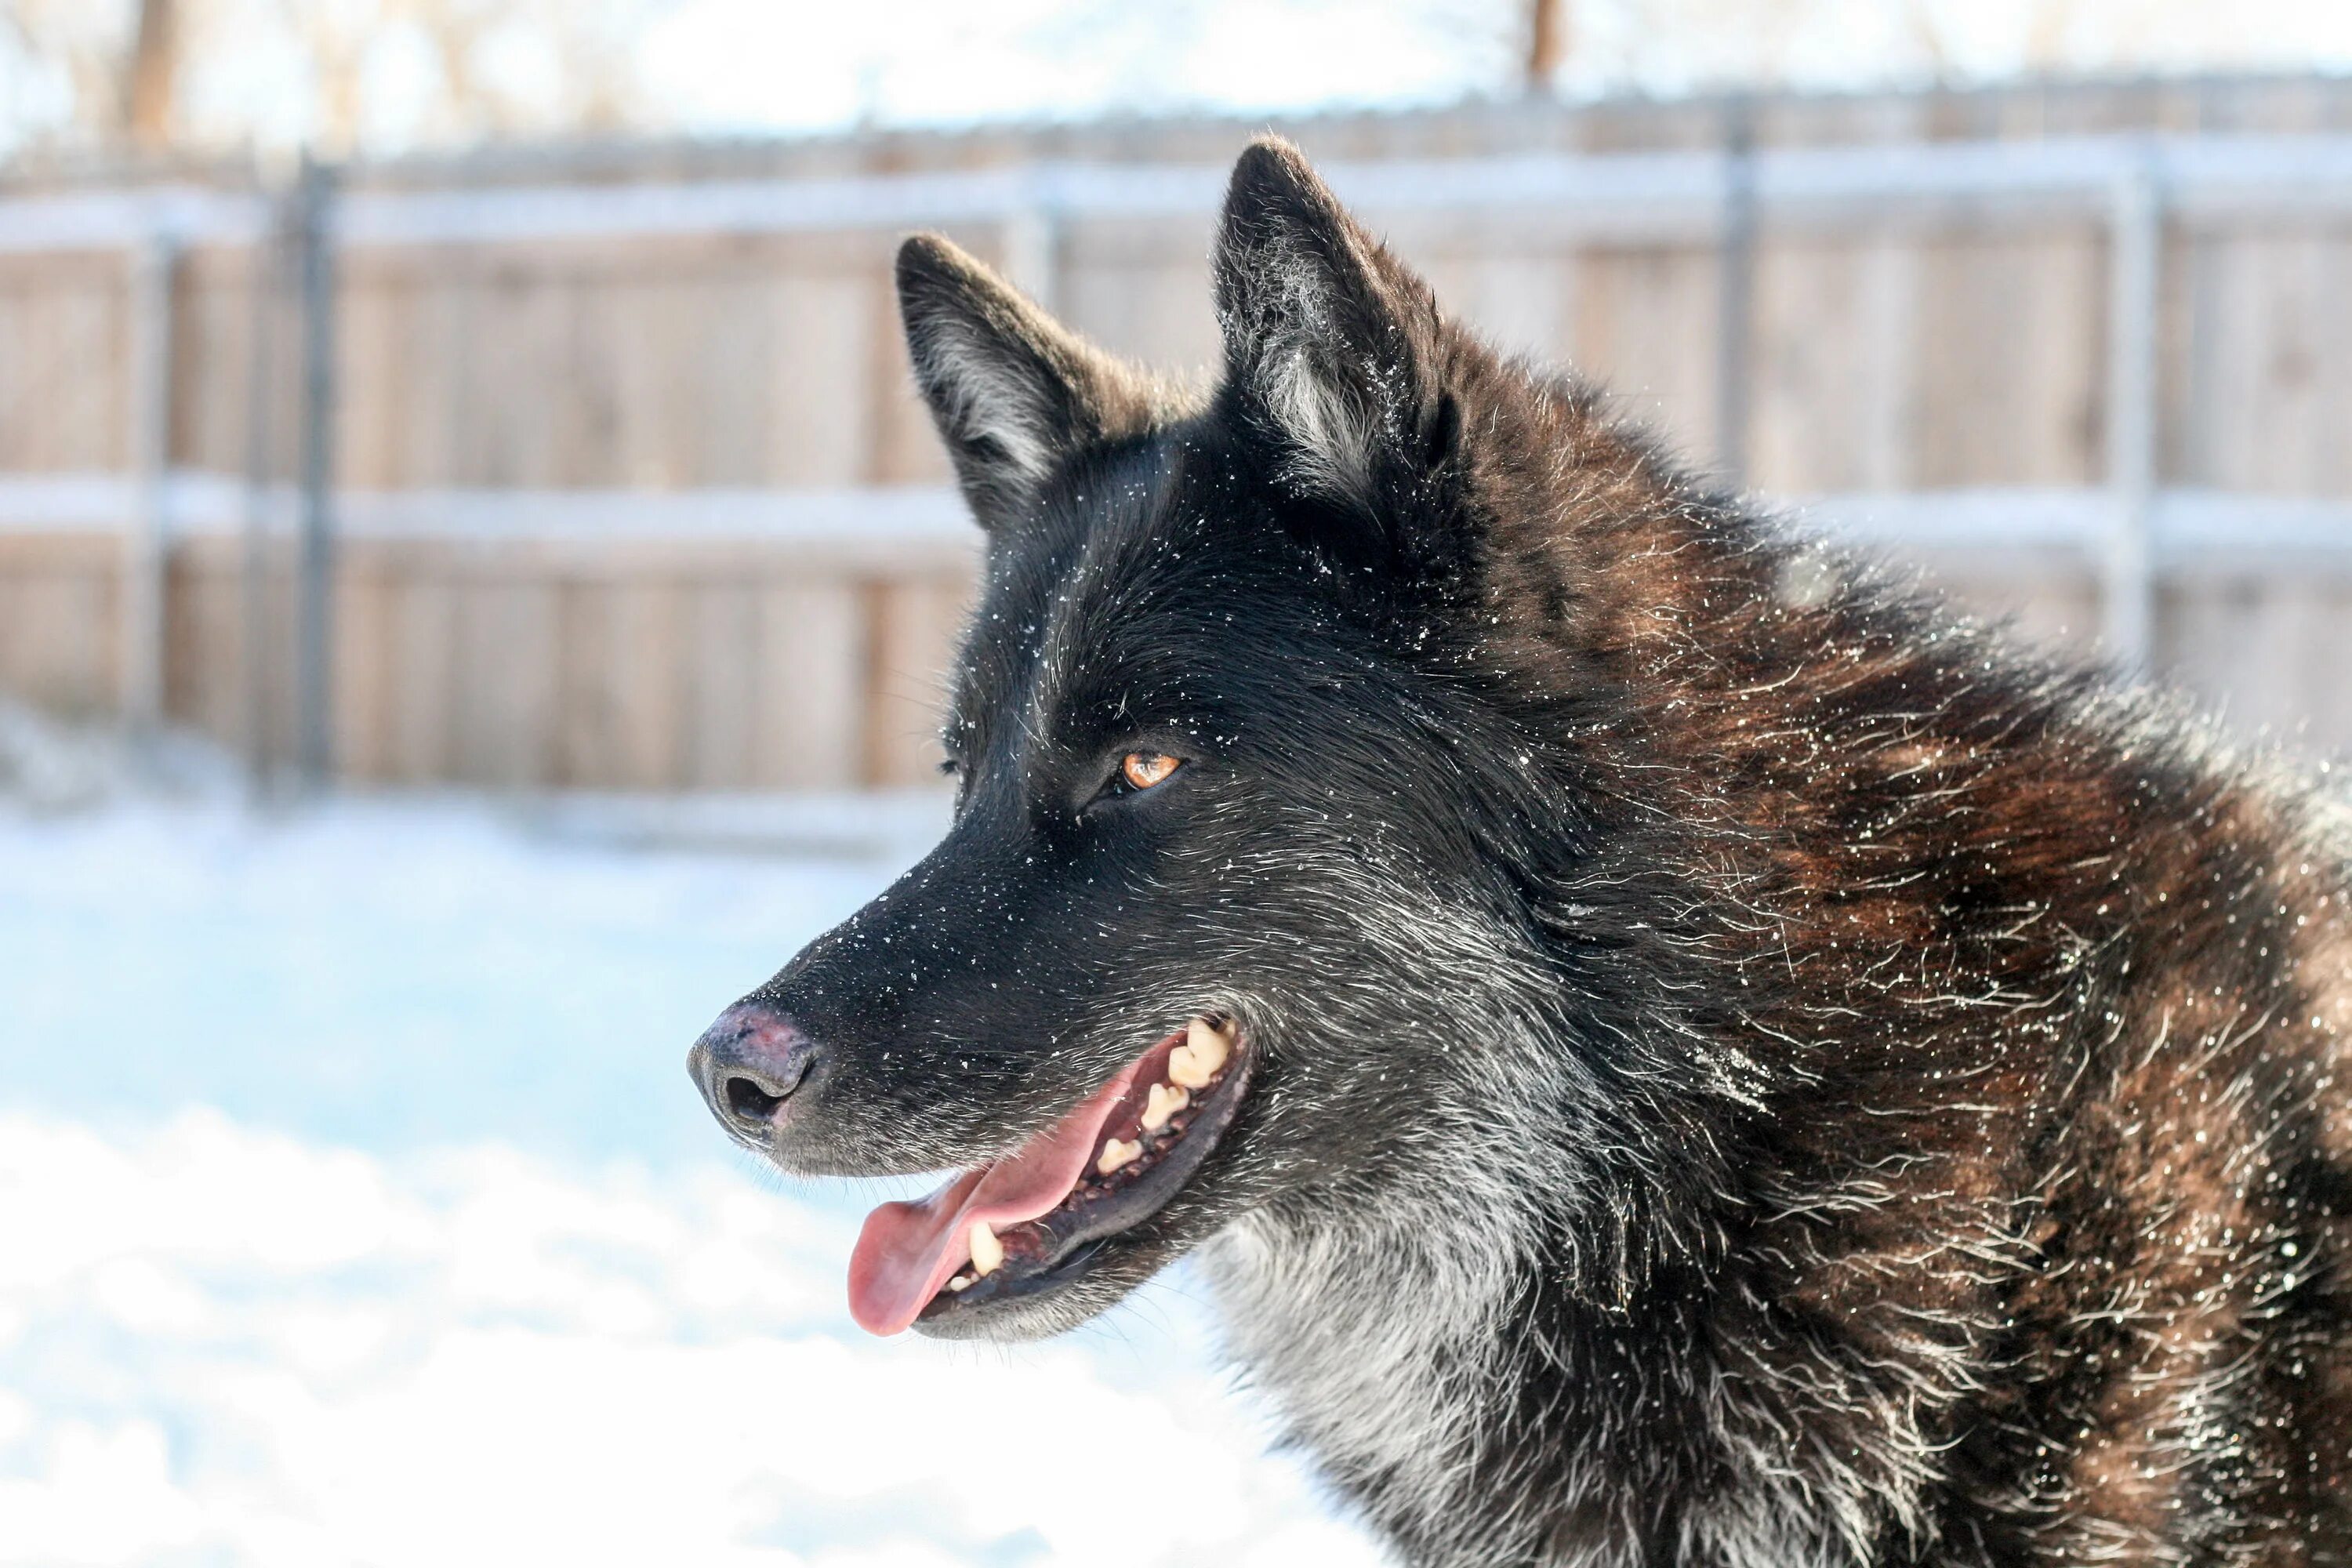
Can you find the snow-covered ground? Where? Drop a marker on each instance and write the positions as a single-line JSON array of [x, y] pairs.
[[356, 1209]]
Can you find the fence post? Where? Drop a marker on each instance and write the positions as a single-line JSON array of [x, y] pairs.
[[2136, 245], [1736, 294], [146, 561], [314, 609], [261, 470]]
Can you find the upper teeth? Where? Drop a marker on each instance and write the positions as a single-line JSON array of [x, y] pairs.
[[1197, 1060], [987, 1252], [1190, 1065]]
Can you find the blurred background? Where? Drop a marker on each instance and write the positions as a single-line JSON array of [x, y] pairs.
[[474, 583]]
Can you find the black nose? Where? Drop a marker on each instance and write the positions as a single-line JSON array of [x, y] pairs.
[[747, 1064]]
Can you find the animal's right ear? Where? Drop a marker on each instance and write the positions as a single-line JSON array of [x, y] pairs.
[[1012, 392]]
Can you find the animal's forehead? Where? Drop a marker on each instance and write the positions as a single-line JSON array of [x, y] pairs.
[[1124, 563]]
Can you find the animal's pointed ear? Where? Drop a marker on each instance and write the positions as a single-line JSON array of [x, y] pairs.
[[1328, 339], [1014, 393]]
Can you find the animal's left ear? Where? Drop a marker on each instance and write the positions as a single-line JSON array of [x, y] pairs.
[[1329, 341]]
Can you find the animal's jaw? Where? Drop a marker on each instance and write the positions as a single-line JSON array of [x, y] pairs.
[[1066, 1224]]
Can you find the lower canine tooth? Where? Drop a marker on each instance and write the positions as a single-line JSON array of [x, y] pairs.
[[1201, 1056], [1162, 1103], [1117, 1155], [987, 1252]]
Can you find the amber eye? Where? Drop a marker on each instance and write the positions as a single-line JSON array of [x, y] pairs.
[[1141, 770]]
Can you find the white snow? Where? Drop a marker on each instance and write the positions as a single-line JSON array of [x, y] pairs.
[[356, 1209]]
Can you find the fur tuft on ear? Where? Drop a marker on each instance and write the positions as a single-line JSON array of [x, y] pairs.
[[1321, 328], [1014, 393]]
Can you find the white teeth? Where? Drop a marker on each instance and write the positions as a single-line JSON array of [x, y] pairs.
[[987, 1252], [1118, 1154], [961, 1282], [1201, 1056], [1162, 1103]]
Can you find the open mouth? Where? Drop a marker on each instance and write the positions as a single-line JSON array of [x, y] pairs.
[[1042, 1216]]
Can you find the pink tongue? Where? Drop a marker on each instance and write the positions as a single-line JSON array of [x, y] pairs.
[[907, 1251]]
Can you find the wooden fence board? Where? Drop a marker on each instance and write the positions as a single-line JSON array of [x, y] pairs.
[[507, 681], [379, 321], [58, 630], [812, 676], [422, 747], [368, 677], [721, 686], [830, 383], [1646, 322], [1839, 409], [911, 626], [2012, 360]]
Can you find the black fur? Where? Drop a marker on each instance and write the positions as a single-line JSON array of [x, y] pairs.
[[1750, 1067]]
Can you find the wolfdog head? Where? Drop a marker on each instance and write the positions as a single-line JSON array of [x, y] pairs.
[[1265, 737]]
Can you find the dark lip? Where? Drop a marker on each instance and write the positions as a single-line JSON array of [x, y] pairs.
[[1078, 1237]]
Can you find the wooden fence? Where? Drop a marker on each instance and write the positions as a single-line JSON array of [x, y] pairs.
[[627, 489]]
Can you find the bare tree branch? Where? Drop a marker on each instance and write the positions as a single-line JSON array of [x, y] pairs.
[[1546, 42], [151, 75]]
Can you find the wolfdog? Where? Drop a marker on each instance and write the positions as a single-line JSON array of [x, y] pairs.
[[1669, 1045]]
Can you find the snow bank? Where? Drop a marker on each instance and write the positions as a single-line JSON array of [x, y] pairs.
[[390, 974], [50, 766], [224, 1346]]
